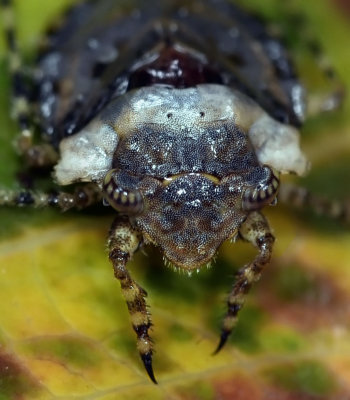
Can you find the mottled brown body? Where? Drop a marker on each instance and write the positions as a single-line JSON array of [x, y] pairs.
[[181, 116]]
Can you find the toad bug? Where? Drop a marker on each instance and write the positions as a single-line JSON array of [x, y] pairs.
[[180, 116]]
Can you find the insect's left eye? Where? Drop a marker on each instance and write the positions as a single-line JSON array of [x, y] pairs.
[[264, 193], [125, 200]]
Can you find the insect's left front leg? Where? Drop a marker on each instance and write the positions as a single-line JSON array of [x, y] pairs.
[[123, 241], [255, 230]]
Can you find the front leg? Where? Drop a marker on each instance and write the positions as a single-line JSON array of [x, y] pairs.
[[123, 241], [256, 231]]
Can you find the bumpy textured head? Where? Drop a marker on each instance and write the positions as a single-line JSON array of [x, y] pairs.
[[187, 215], [190, 214]]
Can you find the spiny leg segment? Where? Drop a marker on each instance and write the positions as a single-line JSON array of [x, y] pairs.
[[256, 231], [122, 243], [36, 155]]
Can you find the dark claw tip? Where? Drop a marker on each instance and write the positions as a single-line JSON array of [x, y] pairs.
[[223, 340], [147, 362]]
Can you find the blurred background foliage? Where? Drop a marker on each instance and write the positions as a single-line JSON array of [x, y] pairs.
[[64, 327]]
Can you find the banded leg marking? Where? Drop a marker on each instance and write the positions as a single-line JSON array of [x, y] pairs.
[[256, 231], [82, 197], [300, 197], [122, 243]]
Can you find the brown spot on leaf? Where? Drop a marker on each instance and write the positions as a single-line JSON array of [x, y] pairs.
[[318, 301], [344, 6], [16, 382], [242, 387]]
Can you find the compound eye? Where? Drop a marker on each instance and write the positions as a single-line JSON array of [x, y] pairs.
[[126, 201], [264, 193]]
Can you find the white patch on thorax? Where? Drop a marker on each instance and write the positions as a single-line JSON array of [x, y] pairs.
[[87, 156]]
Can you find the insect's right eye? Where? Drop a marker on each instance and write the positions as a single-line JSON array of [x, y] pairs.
[[126, 201], [265, 193]]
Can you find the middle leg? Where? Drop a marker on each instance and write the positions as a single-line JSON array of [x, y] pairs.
[[301, 198], [82, 197]]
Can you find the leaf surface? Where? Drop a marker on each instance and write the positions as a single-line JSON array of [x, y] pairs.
[[64, 326]]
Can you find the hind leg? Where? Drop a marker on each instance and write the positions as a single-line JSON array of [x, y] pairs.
[[35, 155], [325, 89]]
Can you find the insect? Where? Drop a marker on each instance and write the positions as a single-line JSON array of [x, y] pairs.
[[180, 116]]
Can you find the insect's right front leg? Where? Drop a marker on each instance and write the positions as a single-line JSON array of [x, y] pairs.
[[123, 241]]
